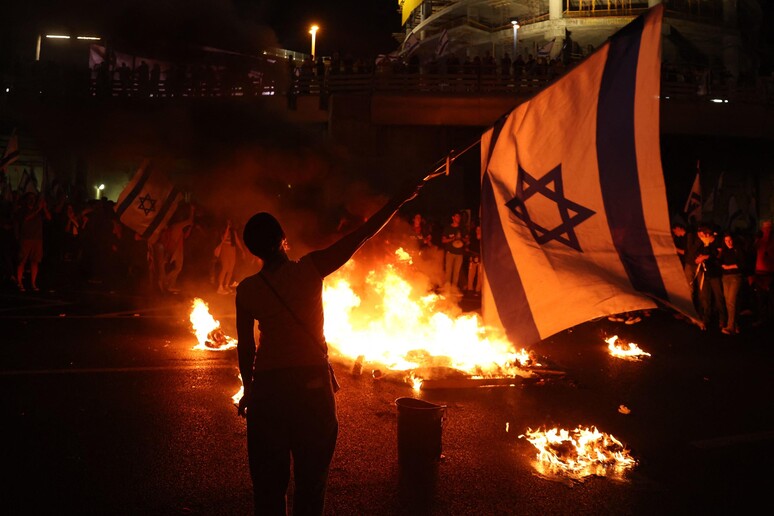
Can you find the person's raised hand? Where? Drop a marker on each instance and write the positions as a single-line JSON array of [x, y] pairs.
[[243, 402]]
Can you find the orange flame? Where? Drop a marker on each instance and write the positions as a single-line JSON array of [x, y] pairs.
[[207, 329], [632, 352], [579, 453], [405, 326]]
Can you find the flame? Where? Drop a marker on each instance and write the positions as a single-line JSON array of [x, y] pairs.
[[633, 352], [416, 382], [207, 329], [403, 256], [377, 313], [579, 453], [238, 396]]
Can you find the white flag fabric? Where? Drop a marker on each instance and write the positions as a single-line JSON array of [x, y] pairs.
[[11, 153], [574, 215], [693, 203], [443, 44], [411, 44], [545, 50], [148, 202]]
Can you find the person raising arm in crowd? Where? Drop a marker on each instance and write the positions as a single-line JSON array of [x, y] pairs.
[[288, 382]]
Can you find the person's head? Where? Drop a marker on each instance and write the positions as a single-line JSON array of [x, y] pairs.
[[728, 240], [263, 235], [456, 217], [678, 229], [706, 234], [766, 226]]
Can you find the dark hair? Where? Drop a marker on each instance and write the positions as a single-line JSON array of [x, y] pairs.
[[705, 228], [263, 235]]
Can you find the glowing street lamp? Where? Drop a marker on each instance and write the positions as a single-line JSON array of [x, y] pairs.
[[515, 24], [99, 189], [313, 31]]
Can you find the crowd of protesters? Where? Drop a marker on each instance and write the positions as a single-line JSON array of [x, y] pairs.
[[455, 242], [729, 273], [56, 243], [53, 242]]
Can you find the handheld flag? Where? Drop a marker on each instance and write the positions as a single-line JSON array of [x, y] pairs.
[[11, 153], [443, 44], [693, 203], [148, 202], [28, 183], [573, 205], [545, 50], [411, 44]]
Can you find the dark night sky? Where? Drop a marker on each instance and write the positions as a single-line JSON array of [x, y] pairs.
[[345, 25], [363, 27]]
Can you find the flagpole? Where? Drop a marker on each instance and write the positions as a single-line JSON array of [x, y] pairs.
[[444, 168]]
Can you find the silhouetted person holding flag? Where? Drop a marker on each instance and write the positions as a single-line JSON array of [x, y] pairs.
[[288, 382]]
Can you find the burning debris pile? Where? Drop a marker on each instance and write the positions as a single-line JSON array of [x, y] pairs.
[[579, 453], [631, 352], [390, 318], [207, 330], [387, 319]]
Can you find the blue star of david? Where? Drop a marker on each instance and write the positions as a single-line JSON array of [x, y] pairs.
[[572, 213], [147, 203]]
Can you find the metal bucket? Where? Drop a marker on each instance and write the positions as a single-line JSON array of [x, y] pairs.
[[420, 425]]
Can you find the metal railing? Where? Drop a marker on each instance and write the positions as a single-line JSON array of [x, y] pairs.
[[676, 86]]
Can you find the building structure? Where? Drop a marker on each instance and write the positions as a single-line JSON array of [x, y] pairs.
[[700, 33]]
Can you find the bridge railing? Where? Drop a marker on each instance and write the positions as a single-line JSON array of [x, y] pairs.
[[474, 84]]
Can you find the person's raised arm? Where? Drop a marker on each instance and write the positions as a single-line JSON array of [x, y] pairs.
[[328, 260]]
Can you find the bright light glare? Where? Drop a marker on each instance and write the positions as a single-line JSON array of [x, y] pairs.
[[90, 38], [57, 36]]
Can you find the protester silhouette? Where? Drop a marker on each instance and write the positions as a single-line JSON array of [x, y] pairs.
[[288, 382], [31, 216]]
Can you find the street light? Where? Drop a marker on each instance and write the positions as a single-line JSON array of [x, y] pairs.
[[99, 189], [313, 31], [515, 24]]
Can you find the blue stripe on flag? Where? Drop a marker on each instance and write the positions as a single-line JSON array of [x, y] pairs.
[[616, 153], [158, 219], [502, 275], [136, 190]]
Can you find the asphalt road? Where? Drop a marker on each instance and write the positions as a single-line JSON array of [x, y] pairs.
[[107, 409]]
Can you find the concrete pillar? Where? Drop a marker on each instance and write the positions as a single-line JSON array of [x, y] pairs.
[[555, 9]]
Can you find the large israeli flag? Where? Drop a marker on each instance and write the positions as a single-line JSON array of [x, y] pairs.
[[147, 202], [575, 223]]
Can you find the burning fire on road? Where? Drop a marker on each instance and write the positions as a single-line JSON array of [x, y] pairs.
[[207, 330], [579, 453], [388, 317], [630, 352]]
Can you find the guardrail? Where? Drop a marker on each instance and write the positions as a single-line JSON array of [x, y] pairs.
[[473, 84]]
